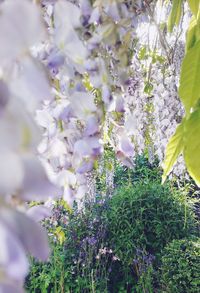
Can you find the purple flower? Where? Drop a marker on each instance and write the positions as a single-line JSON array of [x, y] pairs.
[[92, 240], [55, 60]]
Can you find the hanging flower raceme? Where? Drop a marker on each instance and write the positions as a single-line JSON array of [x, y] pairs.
[[105, 90], [24, 84]]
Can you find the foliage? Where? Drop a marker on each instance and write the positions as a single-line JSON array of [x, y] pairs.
[[143, 170], [80, 263], [148, 216], [173, 150], [85, 262], [113, 244], [122, 175], [189, 91], [175, 14], [180, 266]]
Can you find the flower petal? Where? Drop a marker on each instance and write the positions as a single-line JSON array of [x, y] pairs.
[[38, 213], [30, 234], [12, 255], [36, 185], [30, 83], [12, 173], [21, 26]]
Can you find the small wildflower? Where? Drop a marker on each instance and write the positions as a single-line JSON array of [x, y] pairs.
[[115, 258], [103, 250]]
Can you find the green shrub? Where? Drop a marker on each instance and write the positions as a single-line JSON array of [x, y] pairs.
[[180, 272], [123, 176], [143, 170], [110, 245], [147, 216]]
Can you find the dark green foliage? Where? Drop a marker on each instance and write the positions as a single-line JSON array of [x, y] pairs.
[[143, 171], [147, 216], [180, 271], [114, 245]]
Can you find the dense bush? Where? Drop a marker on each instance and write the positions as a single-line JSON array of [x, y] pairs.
[[147, 216], [181, 267], [114, 244]]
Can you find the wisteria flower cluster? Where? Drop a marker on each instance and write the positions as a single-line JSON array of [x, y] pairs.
[[24, 84]]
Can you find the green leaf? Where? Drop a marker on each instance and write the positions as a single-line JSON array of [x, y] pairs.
[[192, 34], [192, 145], [148, 88], [173, 150], [194, 6], [189, 89], [142, 53], [175, 14]]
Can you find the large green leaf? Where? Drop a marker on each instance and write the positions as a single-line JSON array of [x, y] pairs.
[[189, 89], [175, 14], [192, 145], [173, 150], [194, 6]]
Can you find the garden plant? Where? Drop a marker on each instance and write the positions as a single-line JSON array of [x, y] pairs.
[[118, 243], [100, 145]]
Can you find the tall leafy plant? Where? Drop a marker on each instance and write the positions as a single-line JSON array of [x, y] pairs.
[[186, 139]]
